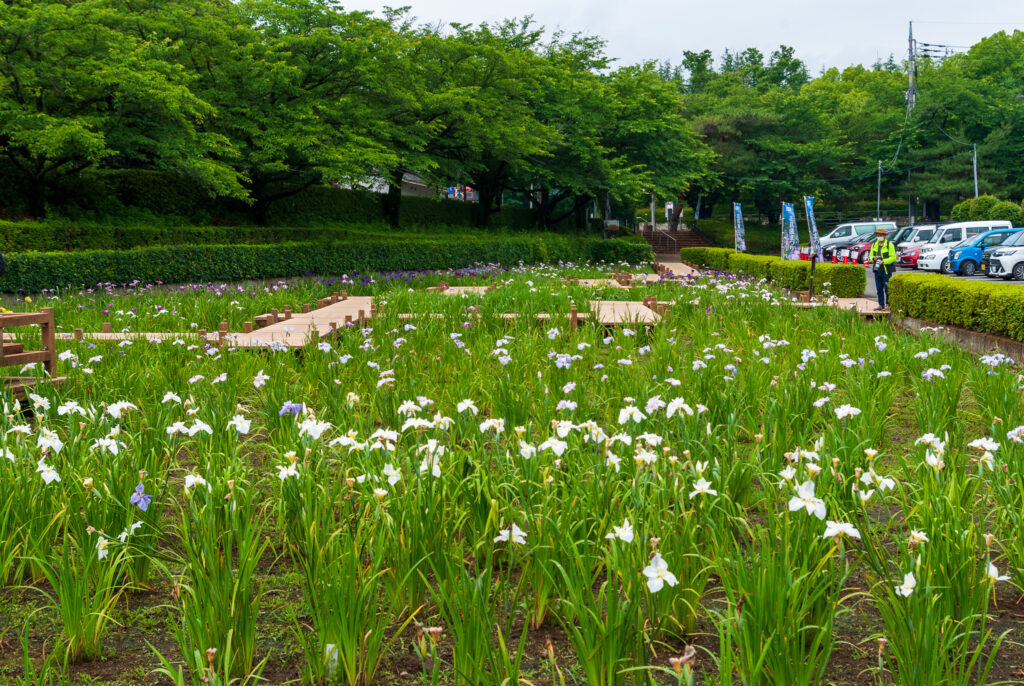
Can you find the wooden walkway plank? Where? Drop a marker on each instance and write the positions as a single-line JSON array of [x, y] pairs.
[[622, 312]]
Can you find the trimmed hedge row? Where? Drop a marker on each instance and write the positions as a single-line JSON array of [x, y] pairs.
[[65, 236], [996, 308], [845, 280], [36, 271]]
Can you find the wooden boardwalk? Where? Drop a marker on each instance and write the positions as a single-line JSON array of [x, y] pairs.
[[623, 312], [300, 328], [673, 267], [862, 306], [289, 329]]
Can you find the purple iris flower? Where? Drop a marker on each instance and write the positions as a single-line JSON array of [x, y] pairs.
[[141, 499], [290, 408]]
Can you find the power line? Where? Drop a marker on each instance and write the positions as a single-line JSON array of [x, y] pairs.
[[955, 140]]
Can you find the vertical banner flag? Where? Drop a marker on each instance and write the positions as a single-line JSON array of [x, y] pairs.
[[812, 226], [790, 237], [737, 224]]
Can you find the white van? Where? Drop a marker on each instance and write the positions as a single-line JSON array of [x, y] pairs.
[[935, 252], [922, 234], [846, 233]]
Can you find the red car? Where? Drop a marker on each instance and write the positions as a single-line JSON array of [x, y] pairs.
[[859, 251], [908, 258]]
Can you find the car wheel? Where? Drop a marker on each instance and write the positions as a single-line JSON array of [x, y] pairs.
[[1018, 272], [968, 268], [944, 266]]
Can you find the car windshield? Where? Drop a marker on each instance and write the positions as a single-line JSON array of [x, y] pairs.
[[964, 243], [1015, 239], [924, 235], [903, 234]]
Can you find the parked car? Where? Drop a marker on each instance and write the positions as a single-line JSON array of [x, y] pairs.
[[856, 249], [1007, 262], [846, 233], [859, 251], [921, 235], [965, 258], [986, 257], [908, 257], [934, 254], [902, 235]]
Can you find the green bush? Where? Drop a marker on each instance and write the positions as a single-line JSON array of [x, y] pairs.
[[844, 280], [753, 265], [696, 256], [986, 207], [995, 308], [36, 271], [981, 207], [58, 234], [1008, 211]]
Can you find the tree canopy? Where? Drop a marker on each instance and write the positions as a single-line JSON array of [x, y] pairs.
[[260, 99]]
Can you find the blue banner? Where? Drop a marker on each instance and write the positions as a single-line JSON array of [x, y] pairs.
[[812, 226], [737, 225], [790, 237]]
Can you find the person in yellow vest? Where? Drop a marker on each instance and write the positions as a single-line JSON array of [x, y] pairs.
[[882, 259]]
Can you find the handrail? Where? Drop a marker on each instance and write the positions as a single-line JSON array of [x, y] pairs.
[[654, 229]]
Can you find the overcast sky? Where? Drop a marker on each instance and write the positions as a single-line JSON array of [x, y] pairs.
[[824, 32]]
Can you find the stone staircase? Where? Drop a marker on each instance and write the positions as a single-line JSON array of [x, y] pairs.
[[664, 241]]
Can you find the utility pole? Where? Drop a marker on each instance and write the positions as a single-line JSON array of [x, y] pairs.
[[910, 201], [911, 69], [975, 170], [653, 225], [878, 205]]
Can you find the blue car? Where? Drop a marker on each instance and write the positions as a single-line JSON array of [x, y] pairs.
[[966, 257]]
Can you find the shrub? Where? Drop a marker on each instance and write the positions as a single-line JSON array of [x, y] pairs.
[[845, 280], [753, 265], [981, 207], [986, 207], [1009, 211], [696, 256], [35, 271], [988, 307]]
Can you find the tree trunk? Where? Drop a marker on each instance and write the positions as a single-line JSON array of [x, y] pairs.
[[488, 194], [677, 212], [36, 198], [261, 208]]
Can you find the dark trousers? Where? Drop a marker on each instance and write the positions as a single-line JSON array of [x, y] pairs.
[[882, 287]]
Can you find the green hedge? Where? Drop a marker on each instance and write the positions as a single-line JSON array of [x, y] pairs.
[[64, 235], [996, 308], [57, 235], [844, 280], [36, 271]]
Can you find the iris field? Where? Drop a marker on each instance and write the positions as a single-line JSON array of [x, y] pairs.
[[744, 493]]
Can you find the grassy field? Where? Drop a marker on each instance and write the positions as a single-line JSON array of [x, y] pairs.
[[743, 493]]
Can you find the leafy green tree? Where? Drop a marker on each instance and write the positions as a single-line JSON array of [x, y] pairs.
[[75, 91]]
